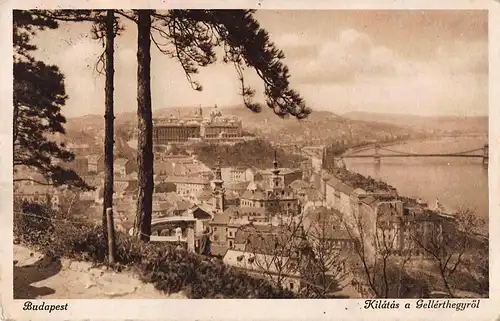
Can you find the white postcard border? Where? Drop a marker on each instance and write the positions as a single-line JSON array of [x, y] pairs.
[[346, 309]]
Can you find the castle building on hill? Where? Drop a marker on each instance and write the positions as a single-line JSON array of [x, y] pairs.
[[216, 127]]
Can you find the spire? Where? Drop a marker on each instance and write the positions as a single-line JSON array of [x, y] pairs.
[[218, 189], [218, 172], [276, 170], [275, 178]]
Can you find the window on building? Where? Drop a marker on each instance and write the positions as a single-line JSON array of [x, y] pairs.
[[231, 244], [291, 285]]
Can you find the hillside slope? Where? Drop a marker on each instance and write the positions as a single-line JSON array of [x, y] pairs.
[[321, 127], [37, 277], [472, 124]]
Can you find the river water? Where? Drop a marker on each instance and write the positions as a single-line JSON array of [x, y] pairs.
[[457, 182]]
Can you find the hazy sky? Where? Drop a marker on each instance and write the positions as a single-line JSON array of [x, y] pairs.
[[418, 62]]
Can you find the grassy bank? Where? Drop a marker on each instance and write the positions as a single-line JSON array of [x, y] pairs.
[[169, 269]]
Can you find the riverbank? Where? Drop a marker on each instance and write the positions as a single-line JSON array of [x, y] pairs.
[[458, 183]]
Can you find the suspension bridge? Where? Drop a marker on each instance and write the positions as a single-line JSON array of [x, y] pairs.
[[482, 152]]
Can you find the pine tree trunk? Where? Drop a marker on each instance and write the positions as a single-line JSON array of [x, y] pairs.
[[145, 126], [109, 119]]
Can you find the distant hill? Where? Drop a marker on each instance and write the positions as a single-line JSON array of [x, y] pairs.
[[473, 124], [321, 127]]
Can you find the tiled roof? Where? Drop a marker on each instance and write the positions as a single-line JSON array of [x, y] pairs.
[[250, 232], [187, 180], [279, 193], [171, 197], [254, 195], [230, 196], [162, 206], [369, 200], [198, 213], [359, 191], [256, 185], [195, 168], [299, 184], [218, 250], [231, 210], [236, 186], [206, 208], [237, 211], [333, 181], [183, 205], [204, 195], [344, 188], [238, 168], [170, 168], [165, 186], [283, 171], [314, 195], [388, 212]]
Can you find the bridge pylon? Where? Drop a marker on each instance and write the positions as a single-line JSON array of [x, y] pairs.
[[376, 155], [486, 153]]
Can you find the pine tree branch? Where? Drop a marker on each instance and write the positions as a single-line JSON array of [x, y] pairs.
[[31, 180], [130, 17]]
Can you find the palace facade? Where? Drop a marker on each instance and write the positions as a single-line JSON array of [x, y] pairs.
[[196, 128]]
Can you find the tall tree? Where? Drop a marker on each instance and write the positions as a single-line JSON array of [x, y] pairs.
[[145, 126], [190, 36], [105, 28], [39, 95], [109, 116]]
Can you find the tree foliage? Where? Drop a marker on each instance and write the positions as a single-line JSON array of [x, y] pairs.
[[39, 95], [192, 35], [326, 268], [452, 250], [255, 153]]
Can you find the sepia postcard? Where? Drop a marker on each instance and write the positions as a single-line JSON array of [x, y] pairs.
[[260, 160]]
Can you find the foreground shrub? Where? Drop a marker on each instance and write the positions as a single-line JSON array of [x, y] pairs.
[[169, 269], [32, 224]]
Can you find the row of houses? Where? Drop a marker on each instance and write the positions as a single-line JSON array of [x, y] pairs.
[[386, 220]]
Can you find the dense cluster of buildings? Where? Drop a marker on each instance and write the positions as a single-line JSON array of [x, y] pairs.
[[239, 213]]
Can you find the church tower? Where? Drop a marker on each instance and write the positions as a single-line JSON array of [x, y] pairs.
[[218, 189], [276, 181]]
